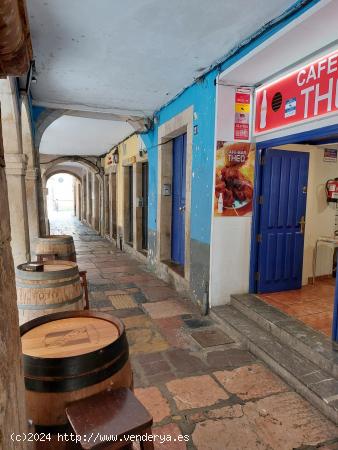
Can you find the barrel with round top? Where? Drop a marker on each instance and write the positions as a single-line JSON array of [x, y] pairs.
[[57, 288], [62, 246], [69, 356]]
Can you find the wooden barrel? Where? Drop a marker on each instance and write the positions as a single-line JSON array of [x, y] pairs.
[[60, 245], [69, 356], [57, 288]]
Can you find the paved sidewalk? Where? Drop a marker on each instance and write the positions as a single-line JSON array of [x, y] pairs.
[[192, 377]]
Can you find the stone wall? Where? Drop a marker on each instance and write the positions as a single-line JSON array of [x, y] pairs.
[[12, 396]]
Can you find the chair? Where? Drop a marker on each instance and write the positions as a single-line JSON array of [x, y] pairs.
[[109, 420]]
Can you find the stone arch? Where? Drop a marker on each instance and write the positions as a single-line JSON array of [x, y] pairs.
[[59, 171], [91, 165], [73, 158], [77, 190], [46, 118]]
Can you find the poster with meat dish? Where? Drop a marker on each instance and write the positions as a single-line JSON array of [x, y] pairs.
[[235, 165]]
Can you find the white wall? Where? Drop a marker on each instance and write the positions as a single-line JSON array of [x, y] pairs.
[[320, 216], [230, 258], [231, 236]]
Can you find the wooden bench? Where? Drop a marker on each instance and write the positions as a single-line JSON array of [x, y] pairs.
[[112, 413]]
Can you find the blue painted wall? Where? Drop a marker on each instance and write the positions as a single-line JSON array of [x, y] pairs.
[[201, 95]]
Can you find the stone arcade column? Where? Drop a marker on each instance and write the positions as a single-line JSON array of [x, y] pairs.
[[16, 164], [75, 197], [12, 398], [32, 176], [15, 55], [44, 191], [95, 202], [43, 218], [84, 198], [78, 200], [105, 205], [89, 198]]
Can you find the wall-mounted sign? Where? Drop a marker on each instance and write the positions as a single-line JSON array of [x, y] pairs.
[[302, 95], [234, 179], [242, 114], [330, 155], [166, 190], [129, 161]]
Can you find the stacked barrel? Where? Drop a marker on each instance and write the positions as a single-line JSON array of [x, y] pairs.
[[69, 356], [68, 353], [60, 245], [53, 283], [56, 288]]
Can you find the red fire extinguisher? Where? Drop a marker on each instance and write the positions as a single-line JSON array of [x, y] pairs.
[[332, 190]]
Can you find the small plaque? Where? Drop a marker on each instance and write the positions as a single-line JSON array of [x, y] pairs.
[[166, 190]]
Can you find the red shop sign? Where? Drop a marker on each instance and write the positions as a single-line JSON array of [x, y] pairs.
[[306, 93]]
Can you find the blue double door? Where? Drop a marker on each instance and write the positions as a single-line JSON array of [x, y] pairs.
[[178, 199], [282, 220]]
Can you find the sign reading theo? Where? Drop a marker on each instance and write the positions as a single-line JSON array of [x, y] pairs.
[[306, 93]]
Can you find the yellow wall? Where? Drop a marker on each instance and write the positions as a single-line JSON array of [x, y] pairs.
[[128, 152]]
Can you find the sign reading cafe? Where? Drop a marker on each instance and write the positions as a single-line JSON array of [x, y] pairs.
[[304, 94]]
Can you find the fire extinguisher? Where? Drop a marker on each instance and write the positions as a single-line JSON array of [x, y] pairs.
[[331, 188]]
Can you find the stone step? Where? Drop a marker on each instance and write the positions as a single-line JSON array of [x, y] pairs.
[[314, 345], [312, 382]]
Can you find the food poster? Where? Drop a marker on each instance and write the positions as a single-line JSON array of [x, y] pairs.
[[235, 165]]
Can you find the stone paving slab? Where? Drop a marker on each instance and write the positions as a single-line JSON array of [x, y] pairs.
[[155, 402], [193, 378], [196, 392], [211, 338], [250, 382], [167, 308], [267, 424]]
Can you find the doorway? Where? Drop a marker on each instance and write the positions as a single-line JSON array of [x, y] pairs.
[[282, 220], [112, 206], [178, 199], [60, 199], [295, 228], [145, 206], [130, 205]]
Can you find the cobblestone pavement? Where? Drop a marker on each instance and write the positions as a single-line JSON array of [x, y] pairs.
[[192, 377]]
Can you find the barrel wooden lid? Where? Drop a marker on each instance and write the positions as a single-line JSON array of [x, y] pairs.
[[55, 236], [50, 266], [55, 269], [69, 337]]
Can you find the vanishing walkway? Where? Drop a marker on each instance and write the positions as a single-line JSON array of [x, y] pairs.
[[193, 378]]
